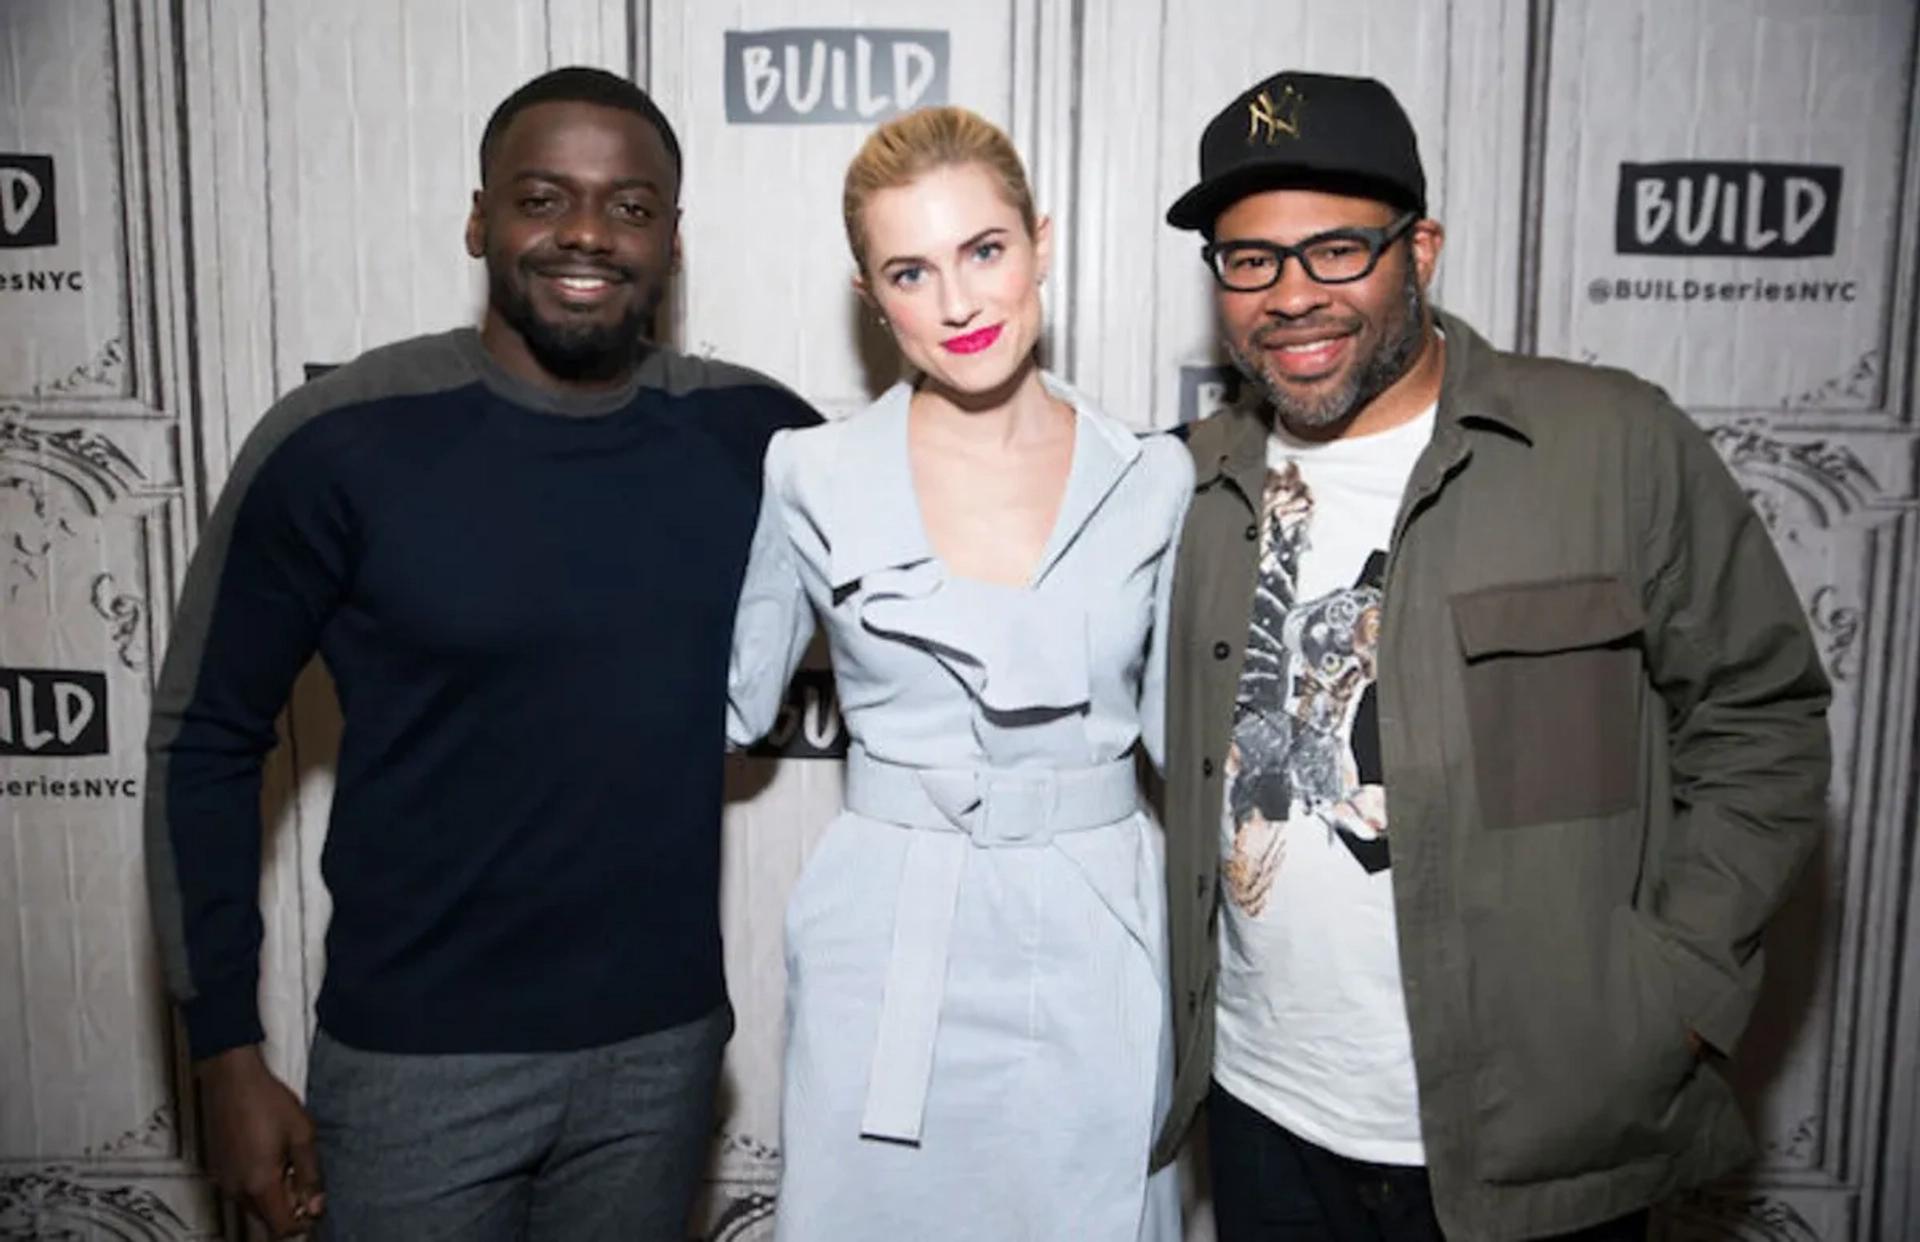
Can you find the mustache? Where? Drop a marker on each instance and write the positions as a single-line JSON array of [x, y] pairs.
[[610, 272], [1290, 329]]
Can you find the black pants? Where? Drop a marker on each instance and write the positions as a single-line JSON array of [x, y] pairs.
[[1270, 1185]]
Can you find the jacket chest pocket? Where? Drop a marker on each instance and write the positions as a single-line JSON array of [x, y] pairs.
[[1553, 683]]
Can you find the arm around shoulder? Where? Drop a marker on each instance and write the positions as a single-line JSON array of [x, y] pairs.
[[774, 619], [1169, 456]]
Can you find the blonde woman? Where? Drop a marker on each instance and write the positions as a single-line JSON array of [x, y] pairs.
[[978, 1041]]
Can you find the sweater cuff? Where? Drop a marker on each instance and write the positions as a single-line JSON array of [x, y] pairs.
[[223, 1018]]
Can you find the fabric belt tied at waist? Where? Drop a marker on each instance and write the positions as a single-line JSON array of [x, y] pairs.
[[956, 808]]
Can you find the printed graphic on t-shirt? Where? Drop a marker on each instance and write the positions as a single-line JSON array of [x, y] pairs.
[[1306, 736]]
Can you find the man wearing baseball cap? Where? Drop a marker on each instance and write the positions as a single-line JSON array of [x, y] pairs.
[[1496, 735]]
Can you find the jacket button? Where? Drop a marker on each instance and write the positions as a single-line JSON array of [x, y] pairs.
[[1206, 767], [1253, 531], [1221, 651], [1193, 1002]]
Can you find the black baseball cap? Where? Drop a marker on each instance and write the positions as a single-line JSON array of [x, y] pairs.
[[1306, 131]]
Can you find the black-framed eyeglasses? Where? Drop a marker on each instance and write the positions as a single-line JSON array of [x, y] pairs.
[[1336, 257]]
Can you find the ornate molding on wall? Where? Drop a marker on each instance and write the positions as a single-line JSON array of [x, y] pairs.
[[1859, 384], [156, 1136], [1793, 1147], [103, 374], [86, 460], [31, 535], [1719, 1216], [54, 1205], [127, 615], [743, 1189], [1837, 624], [51, 484], [746, 1219], [1825, 479]]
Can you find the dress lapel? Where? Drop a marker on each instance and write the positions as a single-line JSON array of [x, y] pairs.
[[1102, 452], [875, 518]]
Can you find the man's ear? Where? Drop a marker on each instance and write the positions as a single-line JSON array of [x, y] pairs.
[[1427, 240], [476, 228]]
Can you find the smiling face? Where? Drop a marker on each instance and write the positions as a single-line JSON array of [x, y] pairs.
[[955, 272], [578, 227], [1322, 354]]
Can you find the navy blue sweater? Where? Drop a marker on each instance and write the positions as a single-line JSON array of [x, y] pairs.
[[525, 601]]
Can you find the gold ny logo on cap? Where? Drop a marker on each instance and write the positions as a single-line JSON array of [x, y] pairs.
[[1270, 121]]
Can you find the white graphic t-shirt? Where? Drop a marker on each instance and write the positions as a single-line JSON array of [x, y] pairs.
[[1312, 1024]]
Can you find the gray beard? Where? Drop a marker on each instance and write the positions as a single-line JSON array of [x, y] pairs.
[[1313, 417]]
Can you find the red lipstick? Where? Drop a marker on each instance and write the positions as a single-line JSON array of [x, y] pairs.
[[973, 342]]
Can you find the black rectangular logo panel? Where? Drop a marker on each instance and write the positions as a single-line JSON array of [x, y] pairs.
[[1727, 209], [28, 211], [48, 713]]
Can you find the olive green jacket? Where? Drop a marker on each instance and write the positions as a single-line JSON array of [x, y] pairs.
[[1603, 732]]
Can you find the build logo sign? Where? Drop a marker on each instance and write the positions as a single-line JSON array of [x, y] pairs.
[[1716, 210], [55, 714]]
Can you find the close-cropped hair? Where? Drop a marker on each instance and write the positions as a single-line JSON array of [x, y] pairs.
[[578, 84]]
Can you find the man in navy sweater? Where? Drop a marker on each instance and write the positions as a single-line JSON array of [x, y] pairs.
[[518, 552]]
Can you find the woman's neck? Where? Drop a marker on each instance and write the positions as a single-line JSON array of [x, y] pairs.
[[1017, 412]]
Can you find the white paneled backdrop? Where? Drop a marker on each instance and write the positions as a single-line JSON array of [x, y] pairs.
[[199, 199]]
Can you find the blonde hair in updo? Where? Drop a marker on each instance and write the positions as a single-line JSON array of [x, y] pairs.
[[908, 147]]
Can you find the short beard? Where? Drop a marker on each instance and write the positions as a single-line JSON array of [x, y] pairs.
[[577, 353], [1315, 418]]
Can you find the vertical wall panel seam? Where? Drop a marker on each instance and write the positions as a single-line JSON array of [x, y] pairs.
[[1533, 163]]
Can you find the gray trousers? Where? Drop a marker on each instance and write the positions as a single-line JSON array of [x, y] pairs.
[[605, 1143]]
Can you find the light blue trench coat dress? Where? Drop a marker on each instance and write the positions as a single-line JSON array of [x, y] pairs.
[[978, 1042]]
